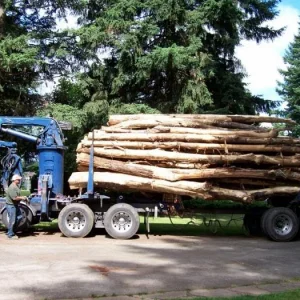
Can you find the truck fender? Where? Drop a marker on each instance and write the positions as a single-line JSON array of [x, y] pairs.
[[32, 209]]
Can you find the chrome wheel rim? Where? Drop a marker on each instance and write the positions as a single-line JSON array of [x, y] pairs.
[[121, 221], [283, 224], [75, 221]]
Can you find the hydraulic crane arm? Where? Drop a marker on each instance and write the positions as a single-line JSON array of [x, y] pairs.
[[49, 142], [51, 134]]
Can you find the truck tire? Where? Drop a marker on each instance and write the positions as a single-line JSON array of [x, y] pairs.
[[280, 224], [24, 223], [76, 220], [121, 221]]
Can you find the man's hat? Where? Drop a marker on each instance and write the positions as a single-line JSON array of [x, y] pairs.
[[16, 177]]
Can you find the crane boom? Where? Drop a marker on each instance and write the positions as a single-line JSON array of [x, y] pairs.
[[49, 144]]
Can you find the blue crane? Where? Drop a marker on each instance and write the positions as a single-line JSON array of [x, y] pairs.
[[76, 215]]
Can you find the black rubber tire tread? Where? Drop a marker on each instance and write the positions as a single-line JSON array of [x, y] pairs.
[[134, 217], [263, 221], [267, 224], [85, 210], [24, 223]]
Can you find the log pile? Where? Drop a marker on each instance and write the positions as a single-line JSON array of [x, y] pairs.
[[208, 156]]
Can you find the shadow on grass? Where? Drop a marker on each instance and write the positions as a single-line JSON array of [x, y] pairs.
[[206, 225]]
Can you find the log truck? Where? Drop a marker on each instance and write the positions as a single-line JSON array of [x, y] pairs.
[[77, 216]]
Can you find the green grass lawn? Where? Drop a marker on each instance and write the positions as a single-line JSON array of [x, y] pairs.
[[198, 224], [290, 295], [195, 225]]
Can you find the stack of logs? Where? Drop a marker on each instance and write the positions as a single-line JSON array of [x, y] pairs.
[[208, 156]]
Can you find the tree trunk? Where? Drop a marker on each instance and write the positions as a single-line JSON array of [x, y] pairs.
[[218, 132], [181, 122], [160, 137], [116, 119], [197, 147], [160, 155], [123, 182], [181, 174], [261, 133]]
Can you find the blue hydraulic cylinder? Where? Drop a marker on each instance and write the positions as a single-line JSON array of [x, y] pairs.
[[52, 163]]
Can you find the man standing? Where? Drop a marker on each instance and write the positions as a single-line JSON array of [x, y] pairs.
[[13, 199]]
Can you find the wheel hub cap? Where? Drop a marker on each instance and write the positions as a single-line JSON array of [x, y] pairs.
[[121, 221], [75, 221], [283, 225]]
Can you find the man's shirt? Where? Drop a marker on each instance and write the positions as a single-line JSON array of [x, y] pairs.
[[12, 192]]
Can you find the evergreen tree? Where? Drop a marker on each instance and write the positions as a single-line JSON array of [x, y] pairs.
[[289, 89], [29, 51], [173, 55]]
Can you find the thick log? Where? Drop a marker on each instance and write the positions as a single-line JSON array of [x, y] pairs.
[[116, 119], [193, 189], [115, 180], [182, 174], [160, 155], [160, 137], [197, 147], [123, 182]]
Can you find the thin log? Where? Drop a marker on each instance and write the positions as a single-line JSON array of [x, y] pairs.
[[267, 133], [276, 191], [160, 137], [197, 147], [259, 132], [116, 119], [173, 164], [160, 155], [195, 123]]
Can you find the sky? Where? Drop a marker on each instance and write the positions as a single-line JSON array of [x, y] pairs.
[[262, 61]]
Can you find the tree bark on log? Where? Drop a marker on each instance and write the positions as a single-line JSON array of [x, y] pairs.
[[160, 155], [218, 132], [196, 123], [116, 119], [115, 180], [262, 133], [197, 147], [182, 174], [180, 137], [194, 189]]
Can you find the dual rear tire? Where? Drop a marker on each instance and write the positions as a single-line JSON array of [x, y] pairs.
[[121, 221]]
